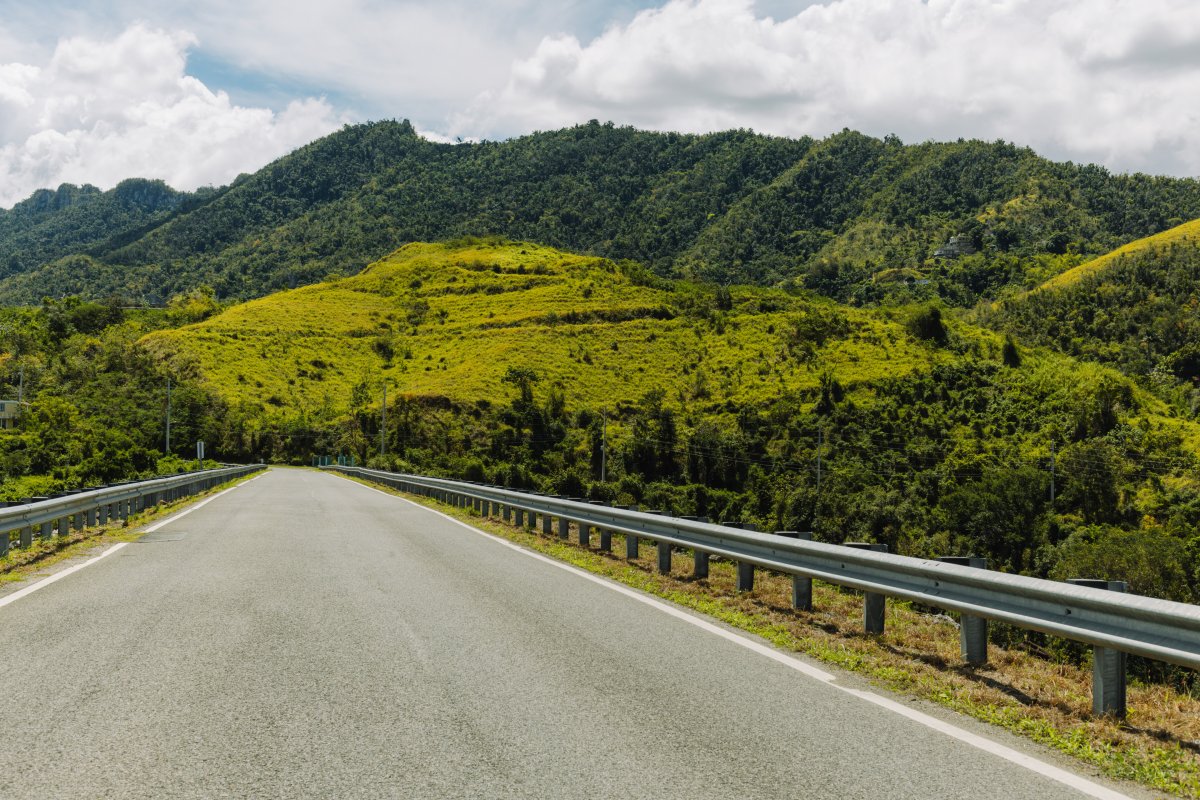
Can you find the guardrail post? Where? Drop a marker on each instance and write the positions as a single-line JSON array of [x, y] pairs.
[[547, 525], [4, 543], [664, 558], [972, 630], [874, 604], [801, 584], [604, 533], [1108, 665], [564, 528], [47, 531], [91, 517], [699, 557], [26, 537], [519, 521], [632, 543], [507, 514], [745, 569]]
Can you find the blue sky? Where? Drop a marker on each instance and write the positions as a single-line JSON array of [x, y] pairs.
[[195, 93]]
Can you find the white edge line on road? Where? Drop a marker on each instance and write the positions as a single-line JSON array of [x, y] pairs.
[[44, 582], [15, 596], [199, 505], [1029, 762]]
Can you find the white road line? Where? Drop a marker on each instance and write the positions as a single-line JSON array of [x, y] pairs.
[[15, 596], [199, 505], [1029, 762], [44, 582]]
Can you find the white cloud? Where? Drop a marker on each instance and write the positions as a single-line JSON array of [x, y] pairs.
[[99, 111], [1114, 81]]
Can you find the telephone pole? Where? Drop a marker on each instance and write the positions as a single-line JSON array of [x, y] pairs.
[[820, 447], [383, 425], [1052, 472], [603, 445], [167, 438]]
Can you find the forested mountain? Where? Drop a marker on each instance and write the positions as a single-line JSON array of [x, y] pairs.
[[79, 220], [856, 218]]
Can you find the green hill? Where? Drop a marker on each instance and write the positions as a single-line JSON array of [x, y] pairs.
[[1136, 308], [730, 207], [81, 221], [447, 321], [512, 363]]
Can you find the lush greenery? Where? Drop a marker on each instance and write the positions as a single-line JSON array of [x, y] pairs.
[[95, 398], [83, 221], [855, 218], [515, 364], [1137, 309]]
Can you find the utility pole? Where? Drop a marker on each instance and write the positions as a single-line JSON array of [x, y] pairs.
[[167, 438], [383, 424], [603, 445], [820, 447], [1051, 472]]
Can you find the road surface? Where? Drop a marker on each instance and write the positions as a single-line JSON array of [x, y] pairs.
[[304, 636]]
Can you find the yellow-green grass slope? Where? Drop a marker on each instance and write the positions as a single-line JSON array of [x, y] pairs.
[[1188, 231], [449, 320], [580, 323]]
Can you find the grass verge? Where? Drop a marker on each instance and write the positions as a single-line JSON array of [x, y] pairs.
[[1158, 745]]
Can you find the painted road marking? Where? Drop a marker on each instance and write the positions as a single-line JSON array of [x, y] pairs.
[[44, 582], [1029, 762]]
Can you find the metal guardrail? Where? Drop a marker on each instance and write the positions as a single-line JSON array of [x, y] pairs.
[[1114, 622], [46, 516]]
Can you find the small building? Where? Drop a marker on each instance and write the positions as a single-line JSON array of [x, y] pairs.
[[9, 411], [957, 247]]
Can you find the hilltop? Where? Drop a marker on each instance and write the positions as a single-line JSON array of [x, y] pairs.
[[448, 321], [853, 217], [1136, 308]]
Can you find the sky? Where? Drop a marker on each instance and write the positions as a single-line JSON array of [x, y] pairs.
[[195, 93]]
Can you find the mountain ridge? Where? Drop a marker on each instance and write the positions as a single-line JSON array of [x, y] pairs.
[[731, 207]]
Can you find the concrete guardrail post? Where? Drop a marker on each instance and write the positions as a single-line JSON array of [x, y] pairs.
[[1108, 665], [26, 536], [874, 604], [745, 569], [605, 533], [91, 517], [972, 630], [699, 557], [631, 540], [801, 584]]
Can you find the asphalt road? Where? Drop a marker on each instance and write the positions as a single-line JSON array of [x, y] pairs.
[[307, 637]]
